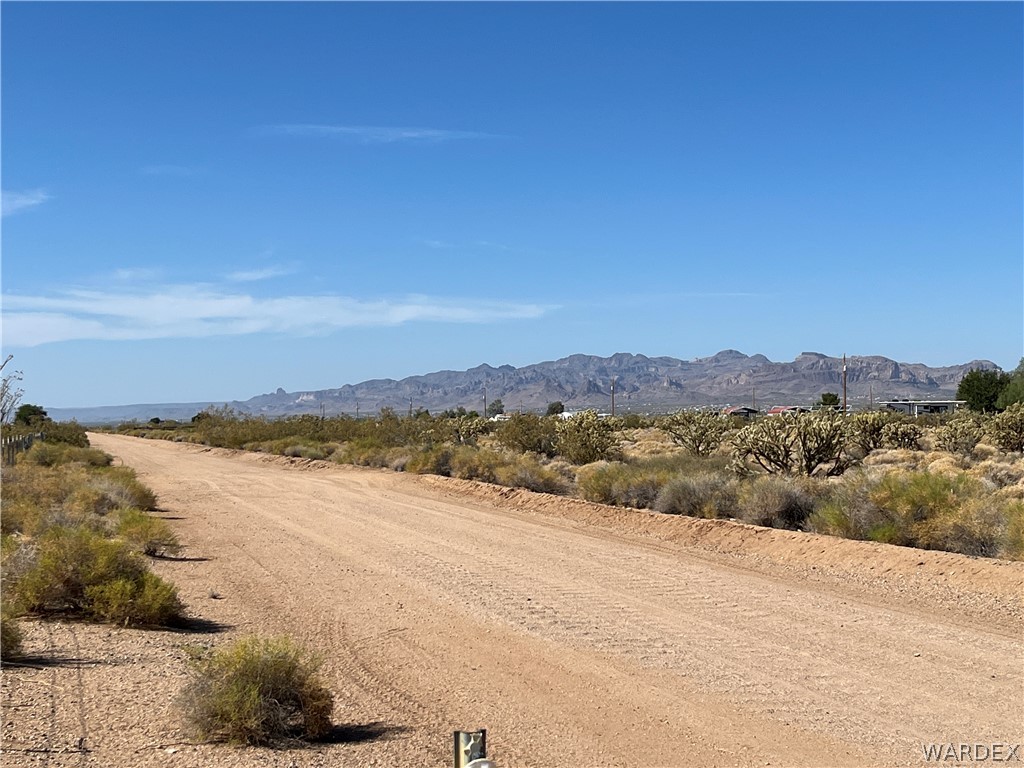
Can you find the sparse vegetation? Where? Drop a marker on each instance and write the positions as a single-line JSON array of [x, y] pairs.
[[257, 691], [777, 477]]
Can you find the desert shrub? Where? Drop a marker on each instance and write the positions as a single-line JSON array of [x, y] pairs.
[[584, 438], [1013, 539], [147, 601], [775, 502], [699, 432], [904, 435], [78, 571], [706, 494], [526, 472], [475, 464], [625, 485], [867, 429], [123, 488], [258, 691], [431, 461], [1007, 428], [959, 435], [1001, 474], [937, 511], [527, 433], [44, 454], [304, 452], [806, 443], [147, 534], [10, 635], [66, 432]]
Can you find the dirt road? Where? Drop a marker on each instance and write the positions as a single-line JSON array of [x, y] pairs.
[[575, 640]]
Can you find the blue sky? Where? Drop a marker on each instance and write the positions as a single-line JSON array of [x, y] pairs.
[[208, 201]]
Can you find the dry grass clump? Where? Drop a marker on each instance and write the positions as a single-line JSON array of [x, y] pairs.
[[527, 472], [257, 691], [705, 494], [147, 534], [776, 502]]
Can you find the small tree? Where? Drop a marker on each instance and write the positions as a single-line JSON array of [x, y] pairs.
[[555, 408], [829, 399], [1013, 392], [495, 407], [10, 392], [981, 389], [30, 415], [699, 432]]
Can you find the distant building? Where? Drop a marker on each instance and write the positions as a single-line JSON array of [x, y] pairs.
[[743, 411], [778, 410], [922, 407]]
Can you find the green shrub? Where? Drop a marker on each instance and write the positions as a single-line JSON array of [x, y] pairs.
[[77, 571], [44, 454], [10, 635], [66, 432], [625, 485], [469, 463], [775, 502], [528, 433], [431, 461], [584, 438], [703, 495], [1013, 541], [147, 534], [526, 472], [257, 691]]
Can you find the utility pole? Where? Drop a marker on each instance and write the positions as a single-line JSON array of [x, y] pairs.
[[485, 402], [753, 398], [613, 398], [844, 384], [357, 410]]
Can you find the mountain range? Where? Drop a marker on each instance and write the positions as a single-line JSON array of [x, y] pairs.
[[641, 384]]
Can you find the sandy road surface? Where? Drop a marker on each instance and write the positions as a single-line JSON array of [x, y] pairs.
[[573, 643]]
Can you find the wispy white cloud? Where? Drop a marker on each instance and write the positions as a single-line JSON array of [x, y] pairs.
[[366, 134], [254, 275], [197, 311], [12, 202], [135, 274], [170, 170]]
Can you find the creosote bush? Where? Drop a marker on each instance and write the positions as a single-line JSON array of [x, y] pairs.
[[147, 534], [257, 691], [775, 502], [77, 571]]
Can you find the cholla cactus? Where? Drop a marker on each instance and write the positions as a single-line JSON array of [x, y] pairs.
[[809, 444], [902, 434], [1007, 428], [584, 438], [867, 428], [466, 429], [961, 434], [699, 432]]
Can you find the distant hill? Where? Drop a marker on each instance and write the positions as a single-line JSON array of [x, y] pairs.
[[642, 384]]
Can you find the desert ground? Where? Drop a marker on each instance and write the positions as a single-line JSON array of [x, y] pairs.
[[577, 634]]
